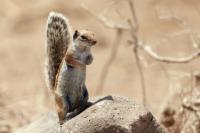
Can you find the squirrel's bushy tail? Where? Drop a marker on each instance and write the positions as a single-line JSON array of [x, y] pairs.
[[58, 38]]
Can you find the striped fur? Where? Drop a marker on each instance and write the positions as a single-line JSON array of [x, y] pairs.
[[66, 60], [58, 39]]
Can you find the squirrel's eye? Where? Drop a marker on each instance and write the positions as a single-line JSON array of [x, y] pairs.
[[83, 37]]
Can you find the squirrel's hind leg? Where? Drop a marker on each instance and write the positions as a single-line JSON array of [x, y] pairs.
[[62, 107], [82, 105], [85, 96]]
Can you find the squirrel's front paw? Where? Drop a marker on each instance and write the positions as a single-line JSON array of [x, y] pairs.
[[88, 59]]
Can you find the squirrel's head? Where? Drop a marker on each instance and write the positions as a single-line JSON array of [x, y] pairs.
[[84, 39]]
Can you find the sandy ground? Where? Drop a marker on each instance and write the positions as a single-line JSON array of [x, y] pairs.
[[164, 24]]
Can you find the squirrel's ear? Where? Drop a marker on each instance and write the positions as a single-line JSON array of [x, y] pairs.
[[76, 34]]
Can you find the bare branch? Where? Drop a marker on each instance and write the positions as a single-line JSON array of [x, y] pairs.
[[159, 58], [131, 4], [108, 63], [187, 27], [195, 41], [134, 33], [187, 59], [141, 73], [105, 21], [133, 29], [192, 109]]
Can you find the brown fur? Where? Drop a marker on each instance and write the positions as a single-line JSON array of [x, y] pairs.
[[58, 38], [67, 58], [60, 108], [71, 61]]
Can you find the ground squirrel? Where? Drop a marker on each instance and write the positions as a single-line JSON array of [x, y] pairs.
[[66, 58]]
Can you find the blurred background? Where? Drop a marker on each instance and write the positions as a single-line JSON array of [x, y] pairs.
[[169, 27]]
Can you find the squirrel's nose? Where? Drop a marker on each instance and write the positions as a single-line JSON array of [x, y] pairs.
[[94, 42]]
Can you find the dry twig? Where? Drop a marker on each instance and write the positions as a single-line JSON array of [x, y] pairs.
[[134, 33], [105, 21], [108, 63], [141, 73], [147, 49], [133, 29]]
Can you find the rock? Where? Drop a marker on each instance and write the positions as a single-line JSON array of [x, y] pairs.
[[106, 115]]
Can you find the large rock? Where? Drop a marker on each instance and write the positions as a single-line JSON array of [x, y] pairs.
[[106, 115]]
